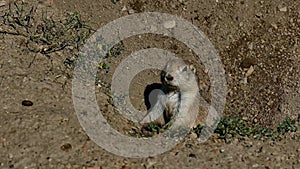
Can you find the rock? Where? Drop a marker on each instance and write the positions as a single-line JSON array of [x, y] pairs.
[[255, 121], [124, 8], [150, 163], [274, 153], [193, 135], [259, 15], [192, 155], [169, 24], [66, 147], [10, 156], [250, 71], [27, 103], [283, 9], [68, 166], [274, 25], [130, 11]]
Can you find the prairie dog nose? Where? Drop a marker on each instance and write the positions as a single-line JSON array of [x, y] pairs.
[[169, 77]]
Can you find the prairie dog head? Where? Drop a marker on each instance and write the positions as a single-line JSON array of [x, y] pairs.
[[177, 75]]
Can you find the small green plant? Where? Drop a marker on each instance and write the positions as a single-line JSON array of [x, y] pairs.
[[236, 127], [115, 50], [232, 127], [198, 129], [43, 34], [150, 129], [288, 125], [69, 62], [103, 66]]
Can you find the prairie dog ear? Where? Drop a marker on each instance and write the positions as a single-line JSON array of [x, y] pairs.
[[192, 68]]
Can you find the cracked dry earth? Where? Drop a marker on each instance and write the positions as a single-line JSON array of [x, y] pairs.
[[259, 35]]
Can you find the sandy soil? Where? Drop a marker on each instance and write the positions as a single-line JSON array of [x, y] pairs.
[[262, 34]]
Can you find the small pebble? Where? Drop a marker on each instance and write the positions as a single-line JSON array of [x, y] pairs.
[[250, 71], [274, 25], [10, 156], [259, 15], [169, 24], [283, 9], [124, 8], [69, 166], [192, 155], [255, 121], [66, 147], [130, 11], [27, 103], [193, 135]]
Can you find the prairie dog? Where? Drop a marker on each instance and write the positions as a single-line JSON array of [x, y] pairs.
[[180, 93]]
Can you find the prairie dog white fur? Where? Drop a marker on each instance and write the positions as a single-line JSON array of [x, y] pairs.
[[180, 93]]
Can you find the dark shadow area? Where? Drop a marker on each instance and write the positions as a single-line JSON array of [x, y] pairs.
[[150, 94]]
